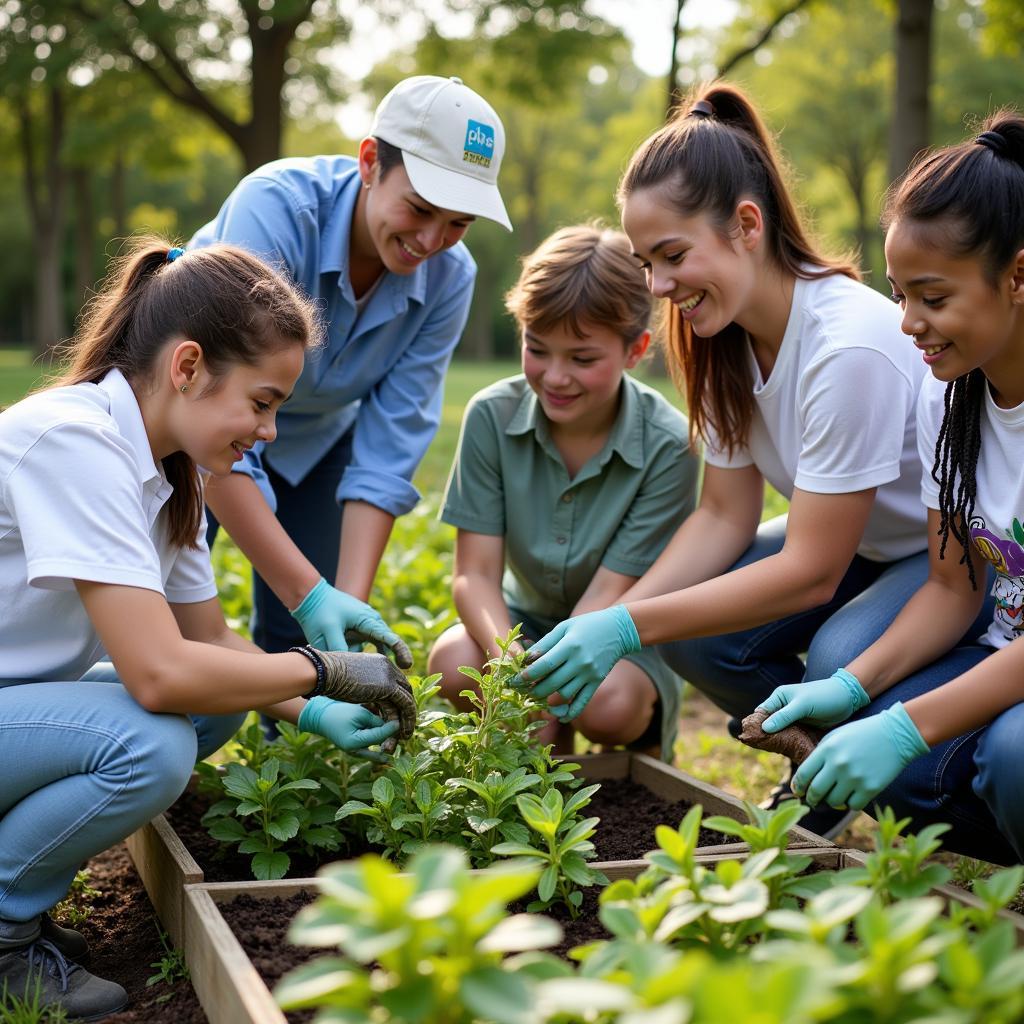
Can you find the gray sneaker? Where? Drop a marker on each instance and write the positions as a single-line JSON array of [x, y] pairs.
[[71, 943], [81, 995]]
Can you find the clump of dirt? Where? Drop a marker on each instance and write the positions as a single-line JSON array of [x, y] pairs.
[[795, 741]]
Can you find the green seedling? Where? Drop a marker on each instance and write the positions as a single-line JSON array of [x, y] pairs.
[[566, 850], [277, 815], [76, 908], [170, 968], [900, 870]]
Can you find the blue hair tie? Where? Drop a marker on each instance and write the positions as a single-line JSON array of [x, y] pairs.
[[173, 254]]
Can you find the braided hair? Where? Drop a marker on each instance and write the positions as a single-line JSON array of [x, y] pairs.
[[956, 459], [974, 191]]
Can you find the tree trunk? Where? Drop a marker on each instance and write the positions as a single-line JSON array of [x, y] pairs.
[[909, 127], [85, 233], [118, 196], [45, 189], [673, 71], [260, 141]]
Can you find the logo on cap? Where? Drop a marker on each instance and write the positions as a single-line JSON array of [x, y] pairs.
[[479, 146]]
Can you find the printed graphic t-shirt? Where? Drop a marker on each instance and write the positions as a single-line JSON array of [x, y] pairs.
[[997, 525]]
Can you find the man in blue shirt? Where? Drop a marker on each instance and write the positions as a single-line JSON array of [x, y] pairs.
[[377, 239]]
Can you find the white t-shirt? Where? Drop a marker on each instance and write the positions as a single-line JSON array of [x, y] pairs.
[[997, 526], [836, 414], [80, 498]]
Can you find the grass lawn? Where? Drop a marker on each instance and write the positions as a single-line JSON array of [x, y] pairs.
[[18, 373]]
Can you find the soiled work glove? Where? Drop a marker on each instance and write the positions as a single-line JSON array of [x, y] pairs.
[[350, 727], [821, 702], [852, 765], [370, 679], [573, 659], [333, 620]]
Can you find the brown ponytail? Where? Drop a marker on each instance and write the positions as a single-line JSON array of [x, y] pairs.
[[714, 153], [233, 306]]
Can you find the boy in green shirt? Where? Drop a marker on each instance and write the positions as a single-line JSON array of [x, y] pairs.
[[569, 480]]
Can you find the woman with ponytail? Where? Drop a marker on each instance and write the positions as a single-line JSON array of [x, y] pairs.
[[182, 361], [943, 736], [796, 374]]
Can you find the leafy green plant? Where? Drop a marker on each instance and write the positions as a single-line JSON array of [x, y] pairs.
[[275, 814], [898, 867], [567, 846], [423, 946], [693, 943], [170, 968]]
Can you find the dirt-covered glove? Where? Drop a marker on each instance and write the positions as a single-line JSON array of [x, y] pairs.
[[368, 679]]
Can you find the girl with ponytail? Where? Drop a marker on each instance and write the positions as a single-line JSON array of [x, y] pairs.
[[795, 373], [182, 361], [943, 736]]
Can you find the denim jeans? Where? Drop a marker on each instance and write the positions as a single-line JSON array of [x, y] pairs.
[[311, 516], [739, 670], [82, 766], [974, 782]]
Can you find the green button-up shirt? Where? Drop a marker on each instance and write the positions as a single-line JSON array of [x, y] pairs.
[[619, 511]]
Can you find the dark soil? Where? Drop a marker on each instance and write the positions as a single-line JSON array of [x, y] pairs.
[[260, 926], [124, 944], [629, 814]]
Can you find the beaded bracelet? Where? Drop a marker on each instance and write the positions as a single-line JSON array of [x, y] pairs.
[[314, 656]]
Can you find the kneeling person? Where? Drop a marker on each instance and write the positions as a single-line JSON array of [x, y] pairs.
[[569, 480]]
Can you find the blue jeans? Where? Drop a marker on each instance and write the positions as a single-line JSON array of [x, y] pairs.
[[974, 782], [311, 516], [739, 670], [82, 766]]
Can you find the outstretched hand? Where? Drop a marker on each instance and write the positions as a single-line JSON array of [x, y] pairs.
[[351, 727], [820, 702], [853, 764], [333, 620], [574, 658]]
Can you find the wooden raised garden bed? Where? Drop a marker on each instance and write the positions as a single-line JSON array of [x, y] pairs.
[[166, 866], [232, 991]]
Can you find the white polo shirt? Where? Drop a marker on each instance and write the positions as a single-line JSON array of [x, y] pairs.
[[80, 498]]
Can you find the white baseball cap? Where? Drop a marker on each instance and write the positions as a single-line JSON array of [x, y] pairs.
[[452, 143]]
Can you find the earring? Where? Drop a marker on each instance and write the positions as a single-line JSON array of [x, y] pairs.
[[366, 185], [183, 389]]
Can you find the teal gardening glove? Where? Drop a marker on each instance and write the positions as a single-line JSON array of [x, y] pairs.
[[350, 727], [368, 679], [820, 702], [573, 659], [335, 621], [853, 764]]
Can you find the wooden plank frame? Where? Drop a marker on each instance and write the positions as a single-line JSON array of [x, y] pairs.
[[231, 991], [166, 867]]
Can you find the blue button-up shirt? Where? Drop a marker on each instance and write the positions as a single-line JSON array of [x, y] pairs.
[[381, 369]]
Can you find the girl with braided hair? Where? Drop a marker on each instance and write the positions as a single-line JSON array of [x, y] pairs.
[[943, 737], [795, 373]]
